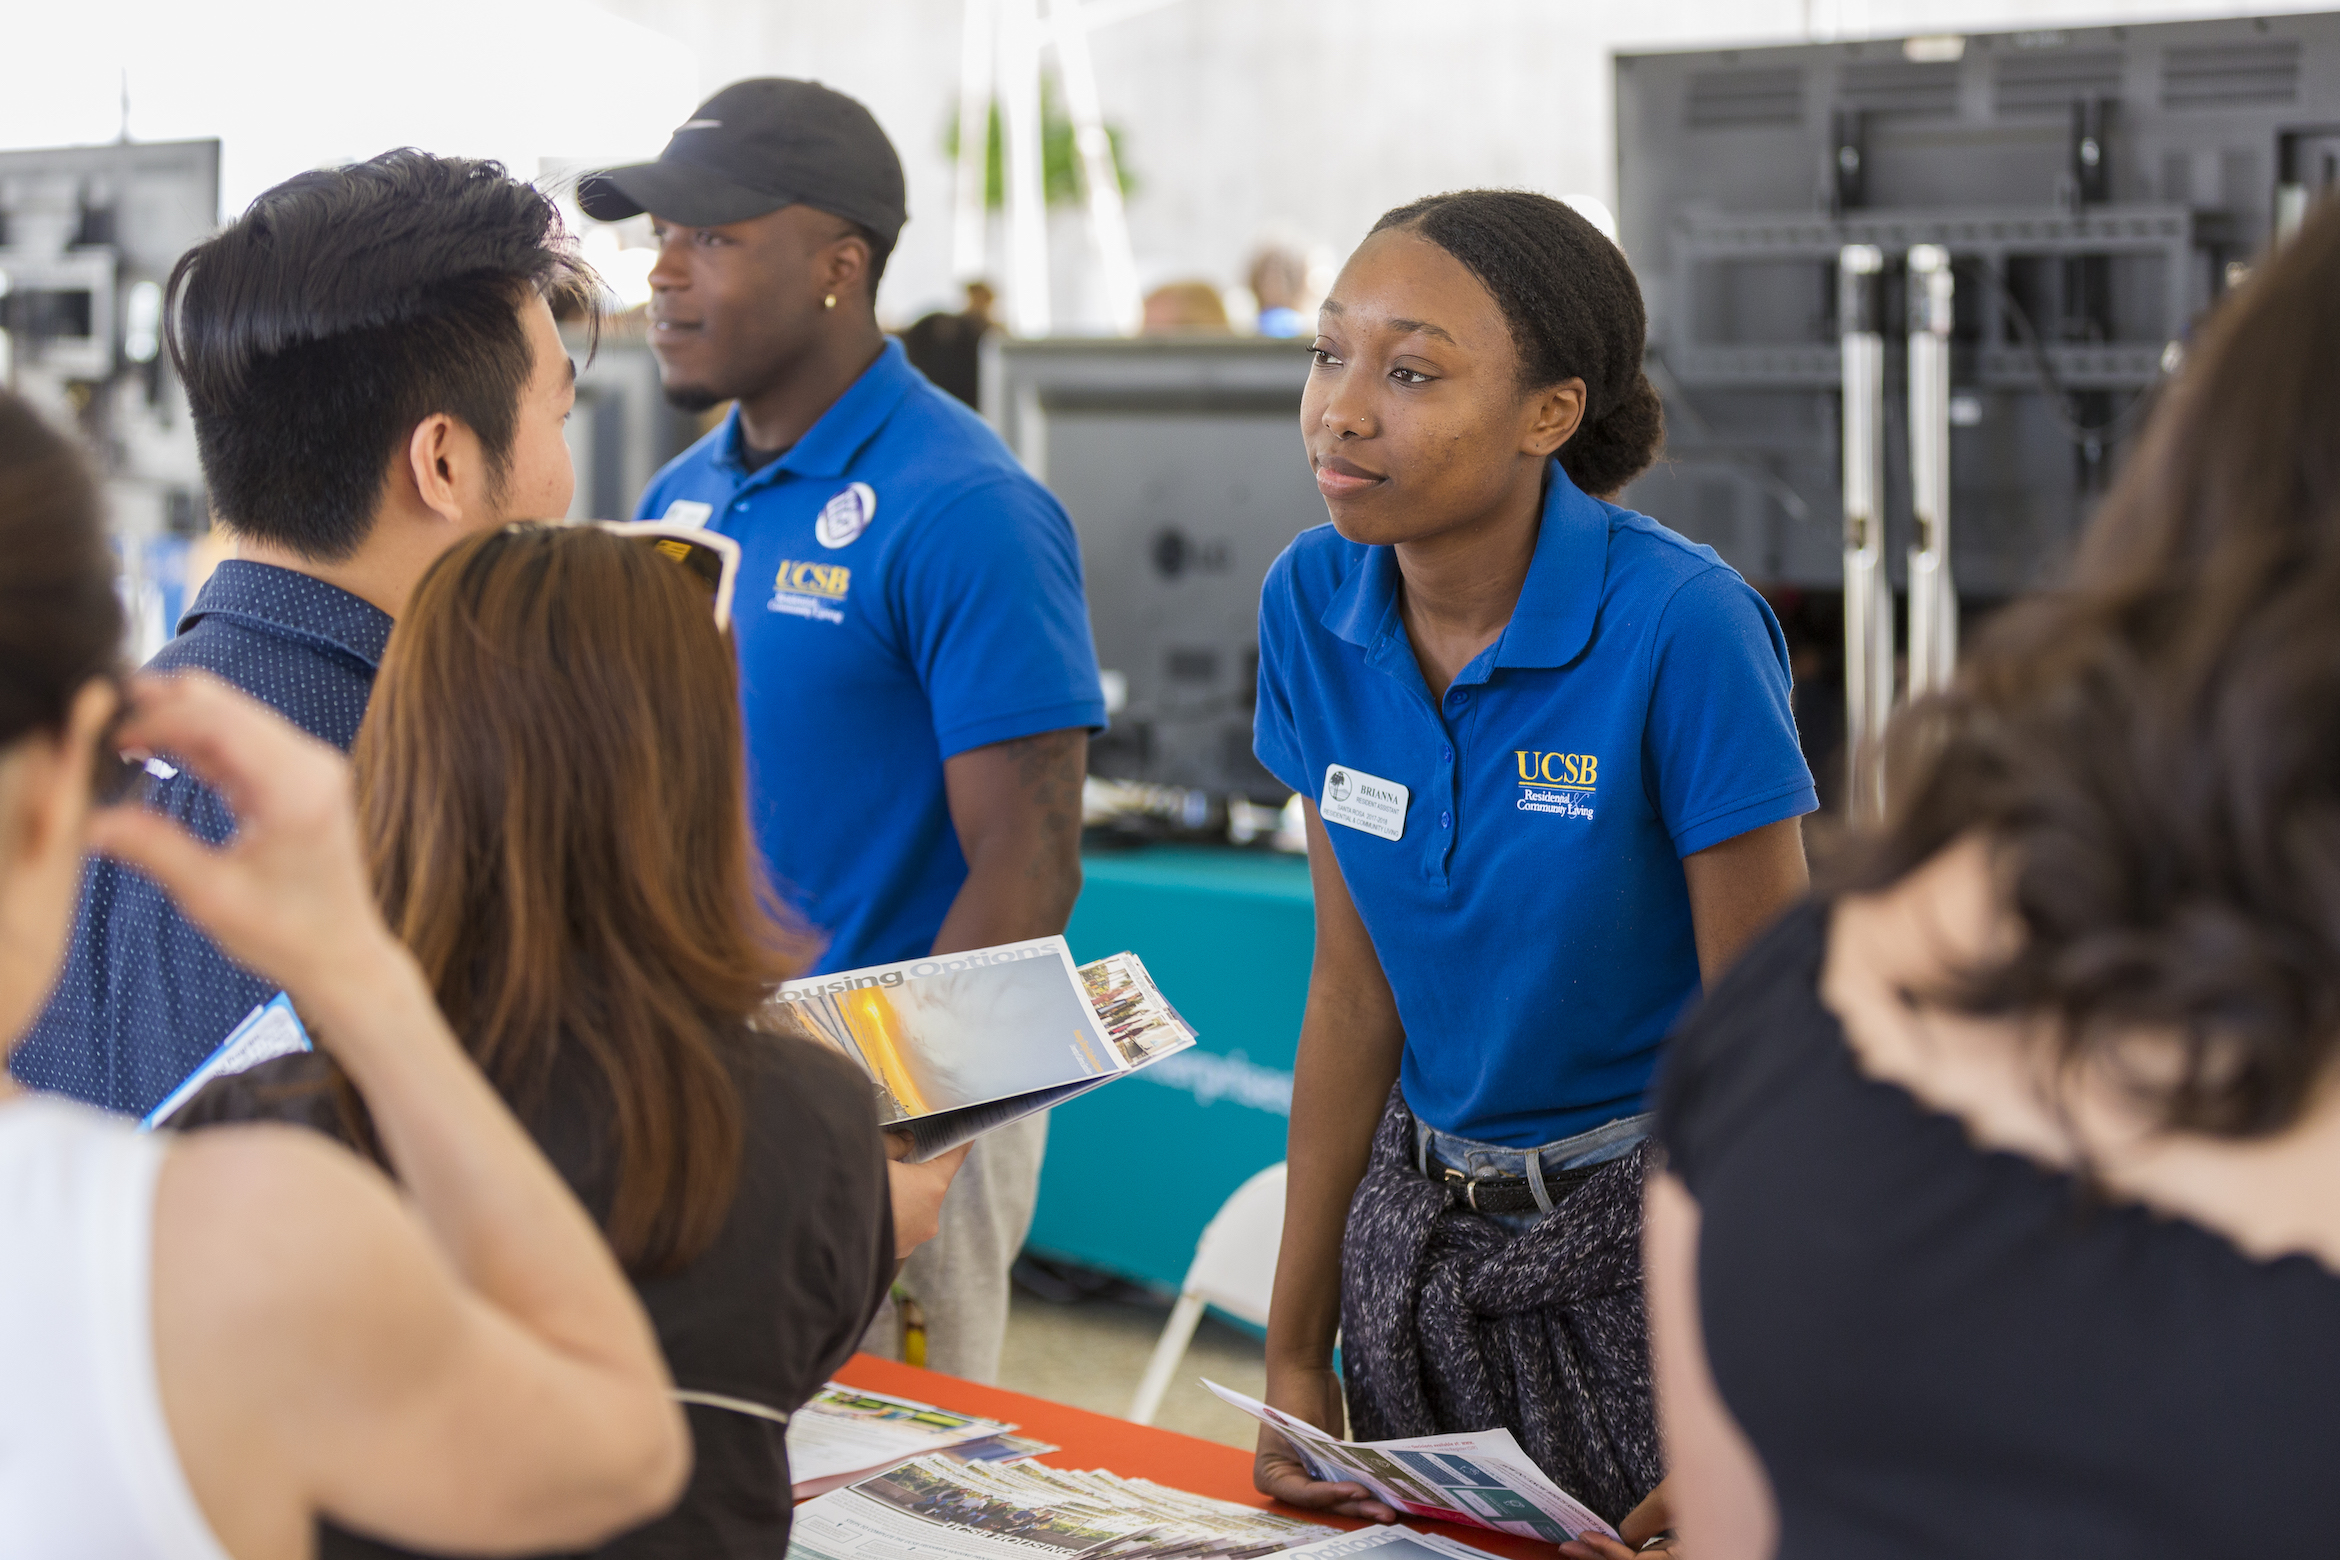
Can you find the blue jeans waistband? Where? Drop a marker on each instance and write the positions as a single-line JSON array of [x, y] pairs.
[[1612, 1140]]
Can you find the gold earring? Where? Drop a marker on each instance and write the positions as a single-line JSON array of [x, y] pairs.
[[829, 302]]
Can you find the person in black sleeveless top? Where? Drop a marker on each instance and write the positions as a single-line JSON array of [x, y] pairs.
[[551, 785], [1998, 1216]]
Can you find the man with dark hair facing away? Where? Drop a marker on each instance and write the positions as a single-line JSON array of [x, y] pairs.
[[948, 348], [370, 358], [916, 668]]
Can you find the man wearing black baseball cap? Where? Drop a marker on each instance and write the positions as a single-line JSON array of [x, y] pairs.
[[919, 684], [755, 147]]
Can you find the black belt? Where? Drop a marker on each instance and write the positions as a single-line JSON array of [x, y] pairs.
[[1514, 1193]]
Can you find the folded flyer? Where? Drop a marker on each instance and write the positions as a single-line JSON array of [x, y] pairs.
[[269, 1031], [963, 1043], [1000, 1449], [938, 1509], [1387, 1543], [844, 1435], [1483, 1479]]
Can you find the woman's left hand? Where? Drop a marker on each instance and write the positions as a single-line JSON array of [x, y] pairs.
[[287, 895]]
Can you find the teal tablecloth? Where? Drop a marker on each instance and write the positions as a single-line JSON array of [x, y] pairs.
[[1136, 1169]]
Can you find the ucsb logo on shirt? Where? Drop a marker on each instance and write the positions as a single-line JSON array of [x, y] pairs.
[[811, 590], [1559, 783]]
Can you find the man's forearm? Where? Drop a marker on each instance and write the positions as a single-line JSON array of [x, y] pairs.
[[1002, 903], [1017, 808]]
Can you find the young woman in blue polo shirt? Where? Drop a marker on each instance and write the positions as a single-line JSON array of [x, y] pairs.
[[1552, 785]]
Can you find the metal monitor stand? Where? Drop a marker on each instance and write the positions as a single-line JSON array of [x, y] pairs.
[[1933, 598], [1868, 588]]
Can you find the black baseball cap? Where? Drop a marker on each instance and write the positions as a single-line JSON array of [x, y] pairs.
[[754, 147]]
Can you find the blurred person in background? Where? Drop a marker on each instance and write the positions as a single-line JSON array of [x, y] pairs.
[[915, 662], [1998, 1206], [1178, 308], [1551, 788], [552, 787], [1279, 282], [373, 370], [212, 1343], [948, 348]]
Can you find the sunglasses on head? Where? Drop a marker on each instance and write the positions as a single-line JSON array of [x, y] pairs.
[[712, 557]]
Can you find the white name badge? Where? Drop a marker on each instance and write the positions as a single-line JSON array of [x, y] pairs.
[[1363, 801], [688, 511]]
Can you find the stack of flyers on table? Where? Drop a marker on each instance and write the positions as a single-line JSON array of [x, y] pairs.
[[937, 1509], [844, 1435], [966, 1042], [1483, 1479]]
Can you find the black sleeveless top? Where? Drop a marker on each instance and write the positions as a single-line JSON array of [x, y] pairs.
[[765, 1314], [1942, 1350]]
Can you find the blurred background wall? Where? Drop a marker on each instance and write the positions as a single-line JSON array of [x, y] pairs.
[[1240, 121], [1298, 121]]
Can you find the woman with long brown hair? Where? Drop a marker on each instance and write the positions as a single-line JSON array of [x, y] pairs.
[[1999, 1206], [552, 790]]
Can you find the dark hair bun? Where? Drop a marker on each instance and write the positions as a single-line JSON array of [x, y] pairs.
[[1610, 452], [1575, 312]]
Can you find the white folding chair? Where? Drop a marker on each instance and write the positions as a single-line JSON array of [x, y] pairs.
[[1234, 1269]]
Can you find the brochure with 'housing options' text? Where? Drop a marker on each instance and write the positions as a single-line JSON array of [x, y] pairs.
[[962, 1043]]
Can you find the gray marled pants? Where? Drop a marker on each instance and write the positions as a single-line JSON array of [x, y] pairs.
[[960, 1278]]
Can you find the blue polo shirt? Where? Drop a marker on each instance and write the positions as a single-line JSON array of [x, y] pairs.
[[907, 593], [145, 997], [1531, 912]]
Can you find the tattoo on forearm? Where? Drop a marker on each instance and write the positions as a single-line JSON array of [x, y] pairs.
[[1049, 770]]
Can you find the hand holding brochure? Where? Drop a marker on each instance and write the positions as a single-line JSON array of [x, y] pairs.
[[1484, 1478], [963, 1043]]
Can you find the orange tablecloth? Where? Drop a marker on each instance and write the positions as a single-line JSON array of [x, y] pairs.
[[1136, 1451]]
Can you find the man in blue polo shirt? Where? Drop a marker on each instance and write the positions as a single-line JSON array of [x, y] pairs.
[[374, 374], [915, 660]]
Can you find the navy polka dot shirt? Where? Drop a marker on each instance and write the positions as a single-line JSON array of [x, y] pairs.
[[145, 997]]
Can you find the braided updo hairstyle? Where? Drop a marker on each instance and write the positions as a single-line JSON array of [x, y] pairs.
[[1575, 312]]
